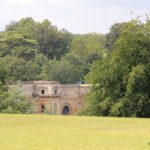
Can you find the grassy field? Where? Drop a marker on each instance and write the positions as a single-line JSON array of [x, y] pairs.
[[44, 132]]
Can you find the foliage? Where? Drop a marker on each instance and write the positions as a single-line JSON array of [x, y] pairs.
[[86, 49], [117, 64], [25, 26], [39, 51], [63, 71], [12, 101], [52, 43], [84, 45], [121, 81], [14, 44], [113, 35], [3, 73]]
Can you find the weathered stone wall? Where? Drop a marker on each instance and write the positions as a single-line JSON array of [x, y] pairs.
[[27, 89], [55, 98]]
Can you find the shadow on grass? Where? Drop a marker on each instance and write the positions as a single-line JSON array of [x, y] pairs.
[[148, 143]]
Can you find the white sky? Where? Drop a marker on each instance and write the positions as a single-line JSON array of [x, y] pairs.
[[77, 16]]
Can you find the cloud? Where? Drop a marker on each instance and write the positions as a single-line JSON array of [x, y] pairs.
[[77, 16]]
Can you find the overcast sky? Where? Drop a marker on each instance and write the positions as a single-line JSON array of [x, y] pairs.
[[77, 16]]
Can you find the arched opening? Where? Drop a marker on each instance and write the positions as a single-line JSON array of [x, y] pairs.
[[66, 110], [79, 105], [55, 91], [42, 108], [55, 108]]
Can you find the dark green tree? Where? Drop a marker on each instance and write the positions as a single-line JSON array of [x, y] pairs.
[[113, 35], [14, 44], [12, 101], [52, 43], [121, 81]]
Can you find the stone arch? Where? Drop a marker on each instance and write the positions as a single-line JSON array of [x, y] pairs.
[[42, 108], [55, 108], [66, 110], [79, 105]]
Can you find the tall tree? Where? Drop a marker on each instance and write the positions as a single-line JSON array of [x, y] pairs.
[[83, 45], [120, 82], [52, 43], [113, 35], [25, 26], [14, 44], [86, 49], [3, 73]]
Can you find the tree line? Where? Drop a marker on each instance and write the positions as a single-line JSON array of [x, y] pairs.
[[116, 64], [31, 50], [121, 81]]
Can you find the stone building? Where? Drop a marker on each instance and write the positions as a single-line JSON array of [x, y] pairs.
[[53, 97]]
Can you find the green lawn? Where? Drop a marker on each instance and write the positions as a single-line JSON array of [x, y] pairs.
[[45, 132]]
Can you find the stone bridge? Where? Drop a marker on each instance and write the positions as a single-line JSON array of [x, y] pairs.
[[55, 98]]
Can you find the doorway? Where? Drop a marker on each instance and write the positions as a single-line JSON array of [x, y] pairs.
[[66, 110], [42, 108]]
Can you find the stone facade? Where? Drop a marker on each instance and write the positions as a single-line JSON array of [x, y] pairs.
[[55, 98]]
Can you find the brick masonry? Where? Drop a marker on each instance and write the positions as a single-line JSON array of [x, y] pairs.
[[53, 97]]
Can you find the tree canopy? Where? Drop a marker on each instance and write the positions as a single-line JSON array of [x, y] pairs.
[[33, 50], [117, 64], [120, 82]]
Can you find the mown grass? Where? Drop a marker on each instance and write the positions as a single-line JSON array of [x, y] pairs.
[[44, 132]]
